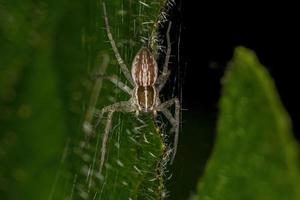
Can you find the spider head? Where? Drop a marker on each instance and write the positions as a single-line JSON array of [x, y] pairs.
[[145, 98], [144, 68]]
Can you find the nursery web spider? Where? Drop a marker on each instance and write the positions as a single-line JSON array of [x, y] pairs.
[[146, 83]]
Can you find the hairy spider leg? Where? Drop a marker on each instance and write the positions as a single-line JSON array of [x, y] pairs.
[[162, 79], [173, 120], [115, 80], [105, 139], [122, 106], [115, 49]]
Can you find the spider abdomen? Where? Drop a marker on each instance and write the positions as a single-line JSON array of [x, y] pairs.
[[145, 97], [144, 68]]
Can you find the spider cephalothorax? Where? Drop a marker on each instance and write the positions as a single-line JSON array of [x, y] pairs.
[[146, 84]]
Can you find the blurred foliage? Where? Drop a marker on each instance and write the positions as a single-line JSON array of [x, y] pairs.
[[49, 50], [255, 156], [41, 65]]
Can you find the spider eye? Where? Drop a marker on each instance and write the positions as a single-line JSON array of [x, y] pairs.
[[144, 68]]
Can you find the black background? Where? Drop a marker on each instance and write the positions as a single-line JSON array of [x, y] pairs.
[[208, 35]]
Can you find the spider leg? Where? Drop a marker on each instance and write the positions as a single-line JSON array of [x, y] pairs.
[[123, 106], [162, 79], [173, 120], [117, 82], [115, 49], [104, 139]]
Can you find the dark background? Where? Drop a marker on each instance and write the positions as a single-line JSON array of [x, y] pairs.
[[208, 35]]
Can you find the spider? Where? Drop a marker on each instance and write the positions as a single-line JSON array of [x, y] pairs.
[[146, 85]]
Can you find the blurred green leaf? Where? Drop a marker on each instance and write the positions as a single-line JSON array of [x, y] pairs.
[[255, 155], [34, 98]]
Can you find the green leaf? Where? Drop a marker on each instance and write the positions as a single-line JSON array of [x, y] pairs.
[[255, 155], [135, 154]]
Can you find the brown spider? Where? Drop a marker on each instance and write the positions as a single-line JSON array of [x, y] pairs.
[[146, 87]]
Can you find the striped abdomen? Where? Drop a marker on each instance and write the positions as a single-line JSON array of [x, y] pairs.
[[144, 68]]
